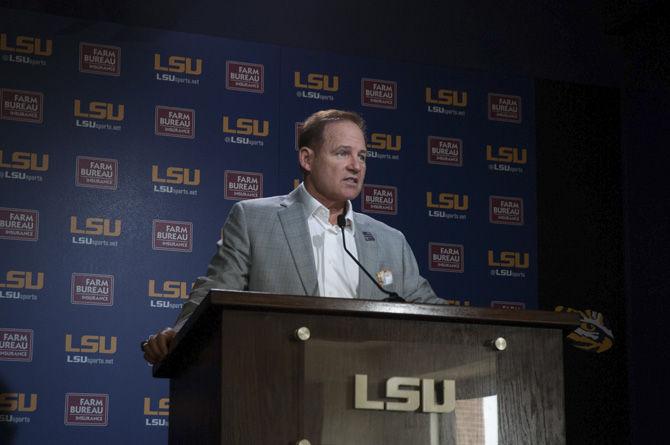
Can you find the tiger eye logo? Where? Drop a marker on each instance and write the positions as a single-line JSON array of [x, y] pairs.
[[592, 335]]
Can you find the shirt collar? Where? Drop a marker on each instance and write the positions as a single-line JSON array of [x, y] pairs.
[[313, 207]]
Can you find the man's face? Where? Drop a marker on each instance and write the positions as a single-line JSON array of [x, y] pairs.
[[337, 168]]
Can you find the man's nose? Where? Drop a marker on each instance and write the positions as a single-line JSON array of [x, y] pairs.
[[355, 164]]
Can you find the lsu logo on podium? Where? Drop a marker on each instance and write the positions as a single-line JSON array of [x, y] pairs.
[[422, 395]]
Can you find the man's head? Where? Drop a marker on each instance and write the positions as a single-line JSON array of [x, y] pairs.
[[332, 156]]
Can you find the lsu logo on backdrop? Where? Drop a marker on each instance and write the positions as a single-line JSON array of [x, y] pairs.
[[243, 185], [98, 115], [30, 50], [384, 146], [156, 411], [19, 224], [508, 305], [379, 93], [445, 151], [447, 205], [443, 101], [90, 349], [16, 345], [317, 86], [14, 406], [241, 130], [379, 199], [506, 210], [446, 257], [175, 236], [95, 231], [93, 289], [245, 76], [99, 59], [19, 163], [506, 159], [169, 294], [504, 108], [508, 264], [99, 173], [171, 179], [175, 122], [86, 409], [22, 106], [17, 282], [177, 69]]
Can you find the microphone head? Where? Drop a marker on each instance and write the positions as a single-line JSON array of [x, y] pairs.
[[341, 221]]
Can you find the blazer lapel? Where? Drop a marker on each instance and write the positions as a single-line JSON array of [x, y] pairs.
[[292, 219], [366, 247]]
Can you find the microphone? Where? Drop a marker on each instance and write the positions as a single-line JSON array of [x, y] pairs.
[[392, 296]]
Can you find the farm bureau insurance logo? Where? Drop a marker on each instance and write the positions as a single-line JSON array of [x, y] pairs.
[[316, 86], [245, 131], [504, 108], [16, 282], [22, 106], [98, 115], [445, 151], [175, 122], [506, 210], [446, 257], [156, 412], [19, 163], [98, 173], [379, 199], [175, 236], [19, 224], [447, 205], [95, 231], [169, 179], [448, 102], [168, 295], [243, 185], [28, 50], [506, 159], [245, 76], [508, 264], [16, 345], [86, 409], [379, 93], [14, 406], [384, 146], [99, 59], [92, 289], [181, 70], [90, 349]]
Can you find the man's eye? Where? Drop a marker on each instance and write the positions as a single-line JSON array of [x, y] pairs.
[[363, 157]]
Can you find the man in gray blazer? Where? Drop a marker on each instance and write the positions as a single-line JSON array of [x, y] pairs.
[[292, 244]]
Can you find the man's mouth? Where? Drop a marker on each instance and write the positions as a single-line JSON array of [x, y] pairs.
[[351, 180]]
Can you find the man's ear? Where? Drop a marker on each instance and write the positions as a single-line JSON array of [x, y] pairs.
[[305, 157]]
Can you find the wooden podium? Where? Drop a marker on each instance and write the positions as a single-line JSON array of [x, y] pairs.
[[265, 369]]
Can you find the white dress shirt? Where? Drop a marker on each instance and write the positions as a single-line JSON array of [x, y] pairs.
[[336, 272]]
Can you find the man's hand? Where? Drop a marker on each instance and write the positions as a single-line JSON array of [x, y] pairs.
[[157, 346]]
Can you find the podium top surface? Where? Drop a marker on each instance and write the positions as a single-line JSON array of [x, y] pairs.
[[372, 308]]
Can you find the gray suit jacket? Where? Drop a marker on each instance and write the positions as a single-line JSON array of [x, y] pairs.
[[265, 246]]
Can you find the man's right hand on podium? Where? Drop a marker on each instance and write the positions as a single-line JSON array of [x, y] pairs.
[[156, 347]]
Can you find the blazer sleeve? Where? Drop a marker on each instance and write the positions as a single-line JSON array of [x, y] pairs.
[[228, 268]]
